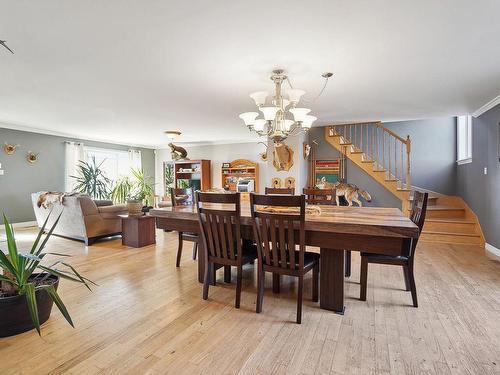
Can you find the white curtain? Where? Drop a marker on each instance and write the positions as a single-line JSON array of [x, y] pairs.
[[135, 159], [73, 154]]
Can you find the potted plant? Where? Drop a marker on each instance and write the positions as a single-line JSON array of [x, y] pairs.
[[122, 190], [92, 180], [135, 202], [28, 289]]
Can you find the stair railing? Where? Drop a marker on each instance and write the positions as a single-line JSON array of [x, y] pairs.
[[385, 148]]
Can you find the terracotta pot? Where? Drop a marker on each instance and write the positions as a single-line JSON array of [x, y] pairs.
[[15, 317], [134, 207]]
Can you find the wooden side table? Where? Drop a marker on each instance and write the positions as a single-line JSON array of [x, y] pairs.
[[138, 230]]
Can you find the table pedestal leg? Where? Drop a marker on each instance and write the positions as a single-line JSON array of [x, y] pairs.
[[332, 280]]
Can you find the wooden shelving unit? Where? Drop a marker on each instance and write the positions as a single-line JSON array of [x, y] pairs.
[[240, 168], [330, 169], [193, 173]]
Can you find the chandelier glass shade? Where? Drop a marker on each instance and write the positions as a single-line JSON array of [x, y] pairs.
[[280, 115]]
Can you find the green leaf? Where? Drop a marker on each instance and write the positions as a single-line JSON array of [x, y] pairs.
[[51, 291], [11, 243], [40, 232], [60, 274], [29, 291], [48, 235], [77, 274], [6, 264]]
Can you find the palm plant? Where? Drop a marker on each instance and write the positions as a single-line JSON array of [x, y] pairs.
[[92, 180], [122, 190], [18, 272], [143, 189]]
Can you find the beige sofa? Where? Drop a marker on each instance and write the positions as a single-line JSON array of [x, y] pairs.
[[82, 218]]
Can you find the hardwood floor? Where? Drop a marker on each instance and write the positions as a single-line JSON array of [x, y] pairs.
[[148, 317]]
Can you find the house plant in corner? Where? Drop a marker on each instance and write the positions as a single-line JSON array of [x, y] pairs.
[[28, 288]]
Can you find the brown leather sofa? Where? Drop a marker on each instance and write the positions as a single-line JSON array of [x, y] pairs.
[[82, 218]]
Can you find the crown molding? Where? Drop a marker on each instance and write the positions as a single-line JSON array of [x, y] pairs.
[[31, 129], [492, 103]]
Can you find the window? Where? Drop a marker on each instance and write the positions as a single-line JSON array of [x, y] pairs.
[[115, 163], [464, 139]]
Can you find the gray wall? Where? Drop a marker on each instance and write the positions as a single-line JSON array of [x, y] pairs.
[[433, 158], [480, 191], [21, 178], [433, 152]]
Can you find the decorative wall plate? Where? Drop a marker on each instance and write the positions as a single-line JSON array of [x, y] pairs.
[[276, 182], [290, 182]]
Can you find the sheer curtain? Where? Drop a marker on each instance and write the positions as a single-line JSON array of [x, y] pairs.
[[135, 159], [74, 152]]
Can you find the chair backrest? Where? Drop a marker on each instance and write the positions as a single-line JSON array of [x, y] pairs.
[[275, 221], [417, 214], [219, 216], [182, 196], [283, 191], [319, 196]]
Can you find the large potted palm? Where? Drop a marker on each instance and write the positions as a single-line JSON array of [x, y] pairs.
[[28, 288], [92, 180]]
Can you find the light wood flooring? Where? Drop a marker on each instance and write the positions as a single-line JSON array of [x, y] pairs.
[[147, 317]]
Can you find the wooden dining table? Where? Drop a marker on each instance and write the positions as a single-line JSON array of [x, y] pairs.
[[334, 229]]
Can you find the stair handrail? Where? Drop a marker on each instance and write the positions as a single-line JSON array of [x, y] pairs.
[[379, 144]]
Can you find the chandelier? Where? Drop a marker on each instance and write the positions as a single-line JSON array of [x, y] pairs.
[[276, 122]]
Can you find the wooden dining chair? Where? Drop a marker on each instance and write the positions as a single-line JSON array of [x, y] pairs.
[[319, 196], [327, 197], [184, 197], [221, 236], [277, 234], [417, 215], [282, 191]]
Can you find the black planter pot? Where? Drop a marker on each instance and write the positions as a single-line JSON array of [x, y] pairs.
[[14, 314]]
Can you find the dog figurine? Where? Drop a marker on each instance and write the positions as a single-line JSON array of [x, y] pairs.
[[350, 192]]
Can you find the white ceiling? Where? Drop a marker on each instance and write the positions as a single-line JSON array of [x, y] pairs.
[[125, 71]]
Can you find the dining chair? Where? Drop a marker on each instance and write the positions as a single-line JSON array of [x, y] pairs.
[[283, 191], [184, 197], [417, 215], [279, 227], [327, 197], [319, 196], [221, 236]]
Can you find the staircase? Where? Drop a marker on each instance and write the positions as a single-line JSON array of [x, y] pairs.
[[386, 157]]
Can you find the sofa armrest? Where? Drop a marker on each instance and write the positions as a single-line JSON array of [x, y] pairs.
[[112, 212], [103, 202]]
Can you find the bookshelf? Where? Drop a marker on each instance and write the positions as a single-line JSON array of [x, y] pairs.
[[240, 168], [192, 173]]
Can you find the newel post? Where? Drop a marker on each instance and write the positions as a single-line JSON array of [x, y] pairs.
[[408, 164]]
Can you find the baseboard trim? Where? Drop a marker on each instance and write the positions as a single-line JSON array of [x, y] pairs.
[[24, 224], [492, 252]]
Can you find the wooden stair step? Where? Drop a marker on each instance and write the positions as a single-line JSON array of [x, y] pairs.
[[357, 152], [367, 161], [346, 144], [443, 211], [453, 225], [451, 237]]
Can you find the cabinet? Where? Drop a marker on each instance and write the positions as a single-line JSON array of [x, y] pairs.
[[192, 173], [232, 172]]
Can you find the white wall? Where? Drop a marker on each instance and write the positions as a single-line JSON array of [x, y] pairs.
[[222, 153]]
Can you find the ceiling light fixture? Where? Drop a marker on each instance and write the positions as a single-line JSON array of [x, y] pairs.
[[274, 123], [172, 134]]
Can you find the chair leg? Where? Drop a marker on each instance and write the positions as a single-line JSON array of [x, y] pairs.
[[260, 289], [276, 283], [213, 271], [227, 274], [195, 250], [363, 279], [179, 251], [407, 278], [238, 287], [299, 299], [347, 261], [315, 296], [413, 287], [206, 281]]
